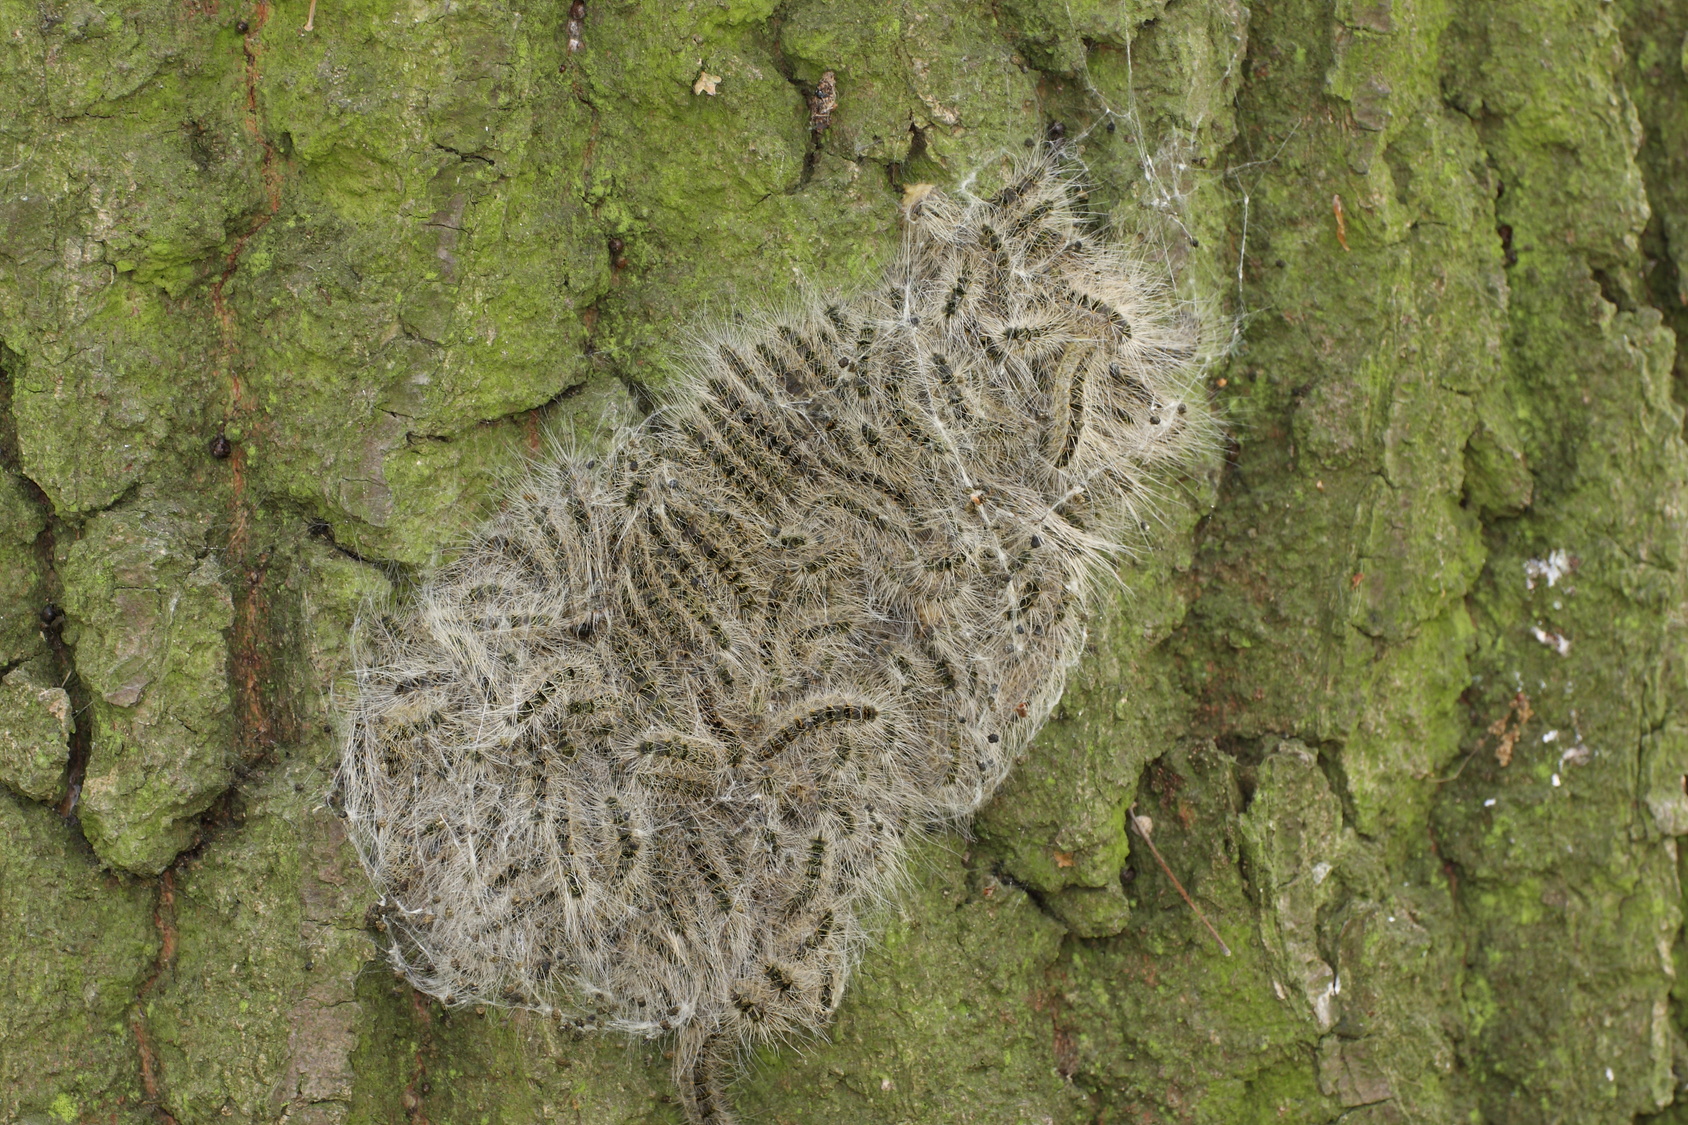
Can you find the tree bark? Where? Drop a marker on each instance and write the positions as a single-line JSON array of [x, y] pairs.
[[288, 289]]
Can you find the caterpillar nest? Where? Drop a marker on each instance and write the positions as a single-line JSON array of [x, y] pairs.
[[645, 754]]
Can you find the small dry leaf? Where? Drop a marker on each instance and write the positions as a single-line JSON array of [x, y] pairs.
[[823, 102], [914, 195]]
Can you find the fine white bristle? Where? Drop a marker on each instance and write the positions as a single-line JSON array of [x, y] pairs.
[[647, 752]]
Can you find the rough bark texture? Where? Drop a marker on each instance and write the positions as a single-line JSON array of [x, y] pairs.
[[1404, 698]]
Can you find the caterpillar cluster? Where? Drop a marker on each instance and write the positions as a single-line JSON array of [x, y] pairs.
[[644, 756]]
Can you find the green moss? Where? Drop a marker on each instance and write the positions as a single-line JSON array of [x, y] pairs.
[[79, 944], [35, 727], [380, 282], [21, 587], [149, 613], [947, 1019]]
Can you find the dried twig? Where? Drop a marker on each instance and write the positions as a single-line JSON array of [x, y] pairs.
[[1138, 823]]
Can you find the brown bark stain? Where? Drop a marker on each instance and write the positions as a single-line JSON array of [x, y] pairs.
[[250, 656], [1063, 1041], [417, 1087], [164, 920]]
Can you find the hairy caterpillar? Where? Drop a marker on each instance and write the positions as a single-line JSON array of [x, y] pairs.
[[643, 756]]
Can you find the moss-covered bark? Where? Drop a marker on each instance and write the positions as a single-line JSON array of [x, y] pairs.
[[1403, 697]]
